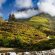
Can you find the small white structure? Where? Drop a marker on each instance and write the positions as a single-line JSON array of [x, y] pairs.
[[48, 37], [12, 53], [0, 53], [27, 53]]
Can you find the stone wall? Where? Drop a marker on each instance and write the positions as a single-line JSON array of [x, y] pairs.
[[47, 52]]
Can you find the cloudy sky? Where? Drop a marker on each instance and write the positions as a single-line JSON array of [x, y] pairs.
[[33, 7]]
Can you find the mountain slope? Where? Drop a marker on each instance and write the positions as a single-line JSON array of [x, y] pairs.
[[28, 35]]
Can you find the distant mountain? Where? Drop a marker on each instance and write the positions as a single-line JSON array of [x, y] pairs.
[[47, 16], [51, 18]]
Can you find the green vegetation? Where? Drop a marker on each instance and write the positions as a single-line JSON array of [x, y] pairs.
[[33, 34], [39, 19], [20, 31]]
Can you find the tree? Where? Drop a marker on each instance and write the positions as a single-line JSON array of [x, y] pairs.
[[1, 19], [11, 17]]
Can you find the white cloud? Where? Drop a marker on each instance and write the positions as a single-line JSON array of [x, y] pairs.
[[26, 14], [47, 6], [24, 3], [1, 2]]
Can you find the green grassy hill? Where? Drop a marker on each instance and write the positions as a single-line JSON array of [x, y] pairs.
[[28, 35]]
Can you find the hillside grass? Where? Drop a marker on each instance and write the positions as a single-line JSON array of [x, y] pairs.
[[28, 35]]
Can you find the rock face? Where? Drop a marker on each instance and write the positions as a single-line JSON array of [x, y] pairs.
[[47, 52]]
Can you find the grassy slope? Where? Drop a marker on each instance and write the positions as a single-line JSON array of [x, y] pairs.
[[29, 35]]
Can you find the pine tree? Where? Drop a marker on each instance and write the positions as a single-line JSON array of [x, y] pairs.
[[11, 17]]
